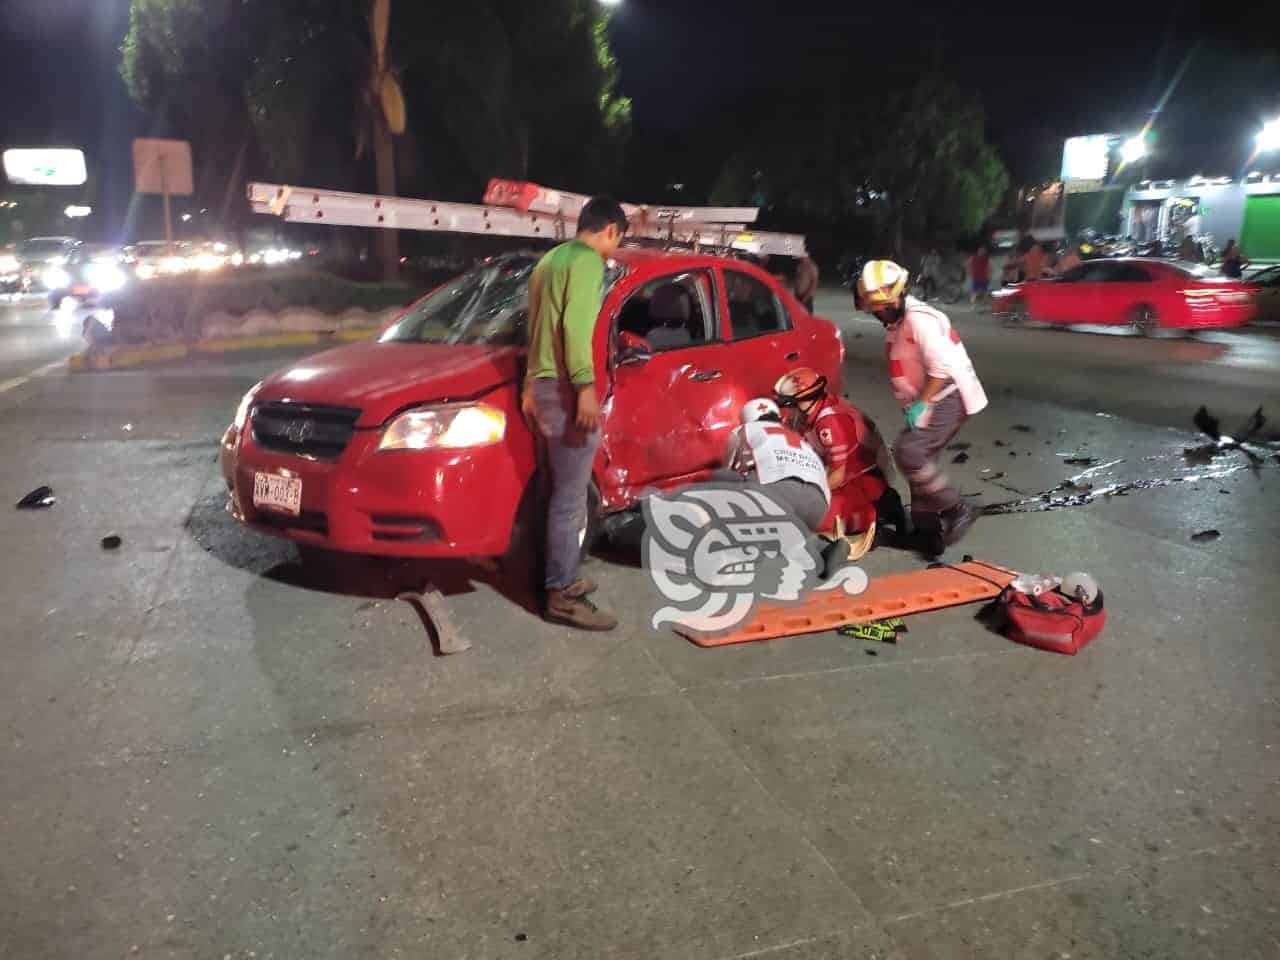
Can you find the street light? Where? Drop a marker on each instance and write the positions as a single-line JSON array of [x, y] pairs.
[[1269, 136], [1134, 149]]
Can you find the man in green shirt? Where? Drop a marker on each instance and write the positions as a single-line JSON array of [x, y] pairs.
[[559, 396]]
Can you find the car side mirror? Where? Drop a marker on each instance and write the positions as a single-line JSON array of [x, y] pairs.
[[631, 356]]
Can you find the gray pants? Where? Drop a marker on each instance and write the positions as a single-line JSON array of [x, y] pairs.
[[570, 454], [803, 499], [916, 453]]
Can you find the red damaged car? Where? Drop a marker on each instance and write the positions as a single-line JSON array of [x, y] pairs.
[[1144, 295], [414, 445]]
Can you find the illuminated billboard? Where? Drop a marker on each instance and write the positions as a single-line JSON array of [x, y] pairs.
[[45, 167], [1087, 162]]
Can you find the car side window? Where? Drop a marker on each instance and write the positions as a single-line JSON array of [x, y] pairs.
[[672, 312], [1130, 273], [1099, 272], [754, 309], [1074, 275]]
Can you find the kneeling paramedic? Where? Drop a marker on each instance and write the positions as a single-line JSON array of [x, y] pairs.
[[853, 452], [933, 378], [765, 452]]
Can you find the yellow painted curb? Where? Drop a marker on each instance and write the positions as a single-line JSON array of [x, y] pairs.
[[356, 335], [267, 341]]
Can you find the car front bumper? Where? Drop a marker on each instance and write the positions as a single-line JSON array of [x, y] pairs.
[[419, 503]]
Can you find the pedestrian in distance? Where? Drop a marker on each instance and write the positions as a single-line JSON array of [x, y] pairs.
[[979, 275], [806, 285], [559, 397], [932, 376]]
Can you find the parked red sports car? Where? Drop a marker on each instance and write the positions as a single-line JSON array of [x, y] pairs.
[[1143, 294], [414, 445]]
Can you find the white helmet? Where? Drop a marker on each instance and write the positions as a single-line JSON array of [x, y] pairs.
[[759, 408]]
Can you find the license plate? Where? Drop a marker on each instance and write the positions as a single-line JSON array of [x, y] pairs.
[[272, 492]]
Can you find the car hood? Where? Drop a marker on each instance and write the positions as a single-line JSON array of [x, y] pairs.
[[382, 378]]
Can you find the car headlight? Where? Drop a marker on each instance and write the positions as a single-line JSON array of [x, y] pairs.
[[246, 404], [55, 278], [9, 265], [450, 426], [145, 271], [104, 277]]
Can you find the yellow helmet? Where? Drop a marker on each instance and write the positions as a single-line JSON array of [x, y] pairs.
[[882, 282]]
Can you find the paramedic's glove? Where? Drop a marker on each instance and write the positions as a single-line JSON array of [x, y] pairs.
[[914, 412]]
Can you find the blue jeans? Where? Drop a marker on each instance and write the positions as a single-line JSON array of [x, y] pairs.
[[570, 454]]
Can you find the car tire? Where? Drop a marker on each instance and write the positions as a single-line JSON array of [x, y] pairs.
[[1016, 316], [1143, 320], [524, 549], [589, 536]]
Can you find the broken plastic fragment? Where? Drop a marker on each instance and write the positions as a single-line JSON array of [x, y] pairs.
[[1206, 423], [1205, 536], [961, 457], [1081, 461], [38, 499], [111, 542]]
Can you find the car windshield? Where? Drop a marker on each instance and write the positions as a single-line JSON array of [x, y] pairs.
[[489, 304]]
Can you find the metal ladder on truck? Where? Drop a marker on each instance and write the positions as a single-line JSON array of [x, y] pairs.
[[514, 208]]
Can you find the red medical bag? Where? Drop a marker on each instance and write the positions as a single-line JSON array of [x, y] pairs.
[[1051, 621]]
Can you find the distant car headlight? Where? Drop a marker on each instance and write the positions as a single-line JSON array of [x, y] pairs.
[[173, 265], [55, 278], [246, 404], [451, 426], [105, 277], [145, 271]]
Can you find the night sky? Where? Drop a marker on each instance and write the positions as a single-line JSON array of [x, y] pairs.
[[1043, 72]]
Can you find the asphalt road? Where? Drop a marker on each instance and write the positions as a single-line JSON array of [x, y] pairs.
[[1159, 381], [212, 750], [32, 336]]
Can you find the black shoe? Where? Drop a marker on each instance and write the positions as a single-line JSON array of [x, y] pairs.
[[834, 556], [927, 533], [956, 522]]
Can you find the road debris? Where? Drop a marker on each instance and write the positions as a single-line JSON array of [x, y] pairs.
[[38, 499], [883, 631], [961, 457], [1022, 428], [959, 446], [988, 475], [1075, 461], [1000, 443], [1205, 536], [112, 542], [431, 606]]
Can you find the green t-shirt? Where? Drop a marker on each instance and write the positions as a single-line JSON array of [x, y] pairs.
[[564, 301]]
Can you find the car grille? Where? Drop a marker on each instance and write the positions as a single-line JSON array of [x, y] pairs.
[[305, 430]]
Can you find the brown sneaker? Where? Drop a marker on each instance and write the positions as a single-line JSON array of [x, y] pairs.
[[581, 587], [577, 612]]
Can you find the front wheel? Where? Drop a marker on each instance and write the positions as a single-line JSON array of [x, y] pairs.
[[1016, 316], [1143, 320]]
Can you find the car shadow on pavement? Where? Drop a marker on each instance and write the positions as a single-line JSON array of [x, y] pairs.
[[374, 578]]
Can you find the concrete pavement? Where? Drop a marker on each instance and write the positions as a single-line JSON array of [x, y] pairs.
[[210, 751]]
